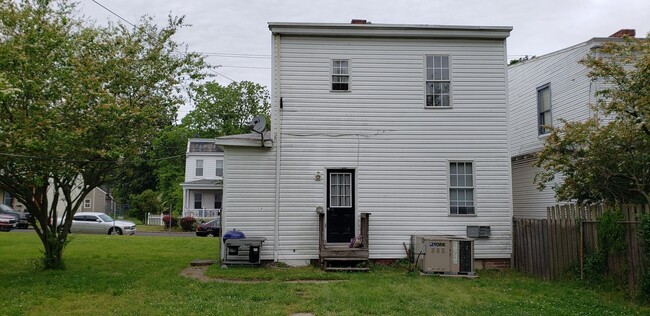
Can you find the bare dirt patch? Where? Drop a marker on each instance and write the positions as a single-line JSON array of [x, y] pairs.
[[198, 273]]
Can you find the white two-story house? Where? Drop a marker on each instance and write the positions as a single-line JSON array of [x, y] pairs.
[[405, 122], [203, 186], [543, 91]]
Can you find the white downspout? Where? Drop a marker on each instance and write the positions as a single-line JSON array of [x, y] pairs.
[[277, 126]]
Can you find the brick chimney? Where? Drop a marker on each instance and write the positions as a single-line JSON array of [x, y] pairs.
[[359, 21], [624, 32]]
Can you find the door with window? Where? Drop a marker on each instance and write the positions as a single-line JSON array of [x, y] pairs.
[[340, 205]]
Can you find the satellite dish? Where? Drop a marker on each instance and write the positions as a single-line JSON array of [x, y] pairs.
[[258, 124]]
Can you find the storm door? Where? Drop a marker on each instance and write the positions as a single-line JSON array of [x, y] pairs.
[[340, 205]]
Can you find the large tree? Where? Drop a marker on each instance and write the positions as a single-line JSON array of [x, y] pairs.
[[226, 110], [607, 158], [84, 101]]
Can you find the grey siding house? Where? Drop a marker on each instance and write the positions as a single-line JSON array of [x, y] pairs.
[[543, 91]]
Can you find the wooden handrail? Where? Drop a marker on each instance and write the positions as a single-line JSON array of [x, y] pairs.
[[365, 227], [321, 231]]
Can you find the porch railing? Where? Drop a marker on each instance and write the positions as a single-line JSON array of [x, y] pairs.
[[202, 213], [364, 226]]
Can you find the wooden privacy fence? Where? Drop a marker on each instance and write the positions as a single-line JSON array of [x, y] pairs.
[[549, 247]]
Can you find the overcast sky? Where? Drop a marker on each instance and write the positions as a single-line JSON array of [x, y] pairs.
[[236, 36]]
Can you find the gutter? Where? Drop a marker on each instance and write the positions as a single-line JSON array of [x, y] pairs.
[[277, 126]]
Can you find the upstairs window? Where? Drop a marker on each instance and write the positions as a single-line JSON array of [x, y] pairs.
[[461, 188], [340, 75], [544, 117], [87, 203], [219, 168], [199, 168], [438, 84]]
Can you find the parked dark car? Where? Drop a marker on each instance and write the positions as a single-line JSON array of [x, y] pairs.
[[209, 229], [7, 222], [21, 217]]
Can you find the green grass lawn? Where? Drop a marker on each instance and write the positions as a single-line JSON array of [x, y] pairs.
[[139, 275]]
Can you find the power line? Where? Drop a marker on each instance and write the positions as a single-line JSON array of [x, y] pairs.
[[84, 161], [184, 54], [117, 15]]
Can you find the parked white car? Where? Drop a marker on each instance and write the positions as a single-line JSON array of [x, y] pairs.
[[100, 223]]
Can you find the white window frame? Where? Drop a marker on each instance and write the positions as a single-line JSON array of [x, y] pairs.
[[218, 168], [433, 80], [472, 187], [541, 130], [87, 203], [350, 195], [218, 197], [198, 197], [199, 168], [8, 199], [333, 74]]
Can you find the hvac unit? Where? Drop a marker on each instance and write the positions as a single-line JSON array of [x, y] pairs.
[[444, 254]]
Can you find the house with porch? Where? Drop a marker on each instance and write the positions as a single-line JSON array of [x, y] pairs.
[[378, 131], [203, 186], [543, 92]]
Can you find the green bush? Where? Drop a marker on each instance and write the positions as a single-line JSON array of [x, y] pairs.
[[644, 235], [145, 202]]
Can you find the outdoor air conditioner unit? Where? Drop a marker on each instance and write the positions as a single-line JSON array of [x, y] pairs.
[[444, 254]]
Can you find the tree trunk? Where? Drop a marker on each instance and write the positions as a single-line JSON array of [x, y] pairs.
[[53, 254]]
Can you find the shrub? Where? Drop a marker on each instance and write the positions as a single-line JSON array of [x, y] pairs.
[[188, 223], [167, 219]]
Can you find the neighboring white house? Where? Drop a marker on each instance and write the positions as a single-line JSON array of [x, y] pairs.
[[407, 122], [543, 91], [202, 189]]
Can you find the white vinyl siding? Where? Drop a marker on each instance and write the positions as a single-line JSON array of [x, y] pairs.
[[527, 200], [571, 92], [438, 82], [399, 150], [209, 166]]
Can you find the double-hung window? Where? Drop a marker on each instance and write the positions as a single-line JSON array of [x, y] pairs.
[[438, 82], [87, 203], [219, 168], [218, 197], [461, 188], [198, 200], [340, 75], [199, 168], [8, 199], [544, 117]]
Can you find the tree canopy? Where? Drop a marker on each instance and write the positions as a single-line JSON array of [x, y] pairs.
[[79, 103], [607, 158], [226, 110]]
